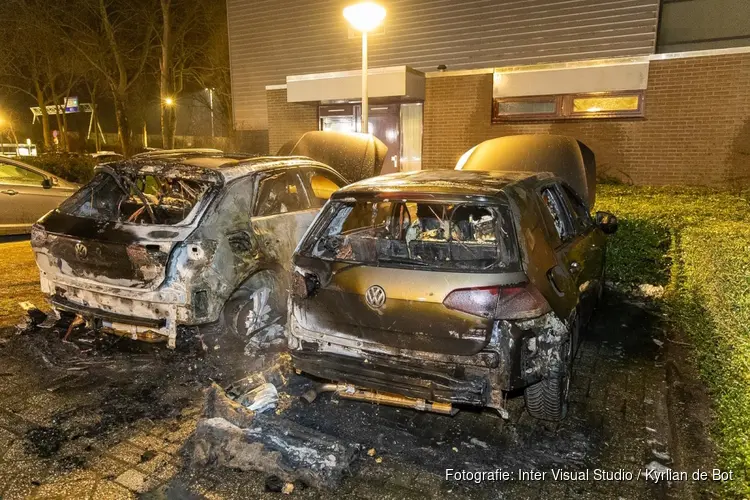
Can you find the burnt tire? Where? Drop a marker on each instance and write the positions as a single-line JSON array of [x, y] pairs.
[[547, 399], [255, 313]]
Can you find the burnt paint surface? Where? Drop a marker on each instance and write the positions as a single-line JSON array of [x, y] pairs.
[[527, 350], [209, 258]]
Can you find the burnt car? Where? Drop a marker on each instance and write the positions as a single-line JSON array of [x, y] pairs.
[[163, 242], [434, 288]]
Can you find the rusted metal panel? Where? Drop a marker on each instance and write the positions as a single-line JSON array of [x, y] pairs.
[[270, 40]]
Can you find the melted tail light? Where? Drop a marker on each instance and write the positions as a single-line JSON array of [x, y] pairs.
[[516, 302], [304, 286], [38, 235]]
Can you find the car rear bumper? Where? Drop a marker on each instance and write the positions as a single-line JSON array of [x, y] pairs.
[[431, 383], [151, 315], [423, 375]]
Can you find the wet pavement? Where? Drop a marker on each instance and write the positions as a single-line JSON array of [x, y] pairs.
[[108, 419]]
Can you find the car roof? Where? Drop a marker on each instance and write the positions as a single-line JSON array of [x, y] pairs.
[[440, 182], [225, 166]]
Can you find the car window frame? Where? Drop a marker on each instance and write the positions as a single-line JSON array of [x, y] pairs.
[[549, 221], [306, 172], [275, 173], [27, 169], [570, 197]]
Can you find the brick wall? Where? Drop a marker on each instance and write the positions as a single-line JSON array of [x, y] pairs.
[[288, 120], [696, 129]]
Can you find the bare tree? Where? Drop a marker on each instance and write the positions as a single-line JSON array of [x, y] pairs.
[[212, 69], [116, 38], [25, 56], [182, 40]]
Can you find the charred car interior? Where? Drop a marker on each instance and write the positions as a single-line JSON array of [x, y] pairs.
[[429, 289]]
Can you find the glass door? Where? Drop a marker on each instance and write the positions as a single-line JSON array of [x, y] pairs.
[[338, 118]]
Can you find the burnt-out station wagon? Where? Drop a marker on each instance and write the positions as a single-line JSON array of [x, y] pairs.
[[433, 288], [184, 238]]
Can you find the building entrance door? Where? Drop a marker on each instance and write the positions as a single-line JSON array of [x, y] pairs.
[[383, 122]]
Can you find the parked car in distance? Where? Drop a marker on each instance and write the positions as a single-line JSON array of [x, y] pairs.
[[106, 156], [161, 242], [452, 287], [26, 194]]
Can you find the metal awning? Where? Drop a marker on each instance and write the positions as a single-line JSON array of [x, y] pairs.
[[396, 81], [578, 77]]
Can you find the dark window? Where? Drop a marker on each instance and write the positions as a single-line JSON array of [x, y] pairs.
[[567, 106], [279, 194], [527, 107], [12, 174], [578, 211], [557, 212], [322, 185], [138, 199], [434, 235]]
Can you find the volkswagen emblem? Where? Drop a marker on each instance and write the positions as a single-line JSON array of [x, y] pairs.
[[375, 297], [81, 251]]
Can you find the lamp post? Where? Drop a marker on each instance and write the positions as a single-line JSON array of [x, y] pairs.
[[211, 108], [364, 17]]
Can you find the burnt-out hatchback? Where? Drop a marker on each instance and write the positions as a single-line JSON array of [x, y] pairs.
[[161, 242], [434, 288]]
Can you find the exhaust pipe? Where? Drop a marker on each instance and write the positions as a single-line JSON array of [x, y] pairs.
[[348, 391]]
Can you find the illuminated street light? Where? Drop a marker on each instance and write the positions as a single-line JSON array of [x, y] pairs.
[[211, 108], [169, 101], [364, 17]]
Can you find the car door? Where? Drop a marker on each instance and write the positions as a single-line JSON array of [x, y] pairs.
[[592, 245], [23, 198], [566, 277], [281, 215]]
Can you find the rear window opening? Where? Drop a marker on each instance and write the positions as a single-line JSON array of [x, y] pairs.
[[137, 199], [466, 236]]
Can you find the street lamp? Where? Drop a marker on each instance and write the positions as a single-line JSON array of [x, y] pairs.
[[168, 101], [211, 108], [364, 17]]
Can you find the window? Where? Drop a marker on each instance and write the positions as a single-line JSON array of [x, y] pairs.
[[13, 174], [519, 107], [139, 199], [567, 106], [435, 235], [280, 194], [578, 211], [322, 185], [557, 212], [606, 105]]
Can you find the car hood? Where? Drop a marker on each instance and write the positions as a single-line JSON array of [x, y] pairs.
[[355, 156], [563, 156]]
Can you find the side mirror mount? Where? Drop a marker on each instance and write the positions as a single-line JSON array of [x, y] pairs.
[[607, 222], [47, 183]]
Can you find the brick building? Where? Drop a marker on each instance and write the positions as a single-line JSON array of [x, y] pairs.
[[659, 90]]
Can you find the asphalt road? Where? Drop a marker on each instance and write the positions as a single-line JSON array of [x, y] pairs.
[[107, 418]]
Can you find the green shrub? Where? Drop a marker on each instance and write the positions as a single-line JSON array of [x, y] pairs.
[[698, 242], [72, 168]]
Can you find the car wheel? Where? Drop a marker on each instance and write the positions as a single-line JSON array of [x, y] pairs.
[[255, 313], [548, 399]]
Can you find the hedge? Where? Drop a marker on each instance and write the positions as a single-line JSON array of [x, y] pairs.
[[70, 167], [697, 243]]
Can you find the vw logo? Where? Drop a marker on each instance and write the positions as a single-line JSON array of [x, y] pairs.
[[81, 250], [375, 297]]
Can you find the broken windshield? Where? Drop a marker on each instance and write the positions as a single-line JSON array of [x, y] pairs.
[[468, 236], [137, 199]]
